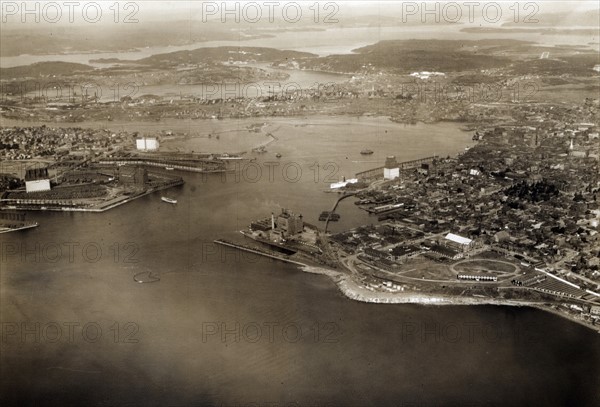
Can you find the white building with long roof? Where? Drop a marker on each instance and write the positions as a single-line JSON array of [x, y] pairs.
[[462, 243]]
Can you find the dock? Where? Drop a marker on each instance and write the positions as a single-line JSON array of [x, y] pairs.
[[197, 166], [69, 206], [256, 251], [6, 229], [377, 173], [12, 221]]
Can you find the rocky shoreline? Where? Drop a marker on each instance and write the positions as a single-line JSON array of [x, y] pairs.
[[354, 291]]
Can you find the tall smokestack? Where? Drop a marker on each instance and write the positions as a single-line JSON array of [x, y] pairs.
[[272, 221]]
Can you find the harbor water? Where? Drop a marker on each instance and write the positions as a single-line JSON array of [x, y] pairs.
[[222, 327]]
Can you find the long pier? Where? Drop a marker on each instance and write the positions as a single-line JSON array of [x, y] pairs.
[[165, 164], [406, 165], [68, 206], [255, 251], [6, 229]]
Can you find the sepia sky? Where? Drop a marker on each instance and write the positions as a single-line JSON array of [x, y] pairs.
[[151, 11]]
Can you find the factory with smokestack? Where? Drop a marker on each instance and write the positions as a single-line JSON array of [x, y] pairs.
[[283, 226], [285, 232]]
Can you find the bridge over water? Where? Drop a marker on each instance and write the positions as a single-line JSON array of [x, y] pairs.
[[346, 195]]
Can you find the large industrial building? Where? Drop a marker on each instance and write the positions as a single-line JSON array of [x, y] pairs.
[[289, 223], [133, 175], [460, 243], [391, 170], [147, 144], [286, 224], [36, 180]]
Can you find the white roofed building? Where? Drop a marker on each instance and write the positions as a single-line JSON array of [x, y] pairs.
[[36, 180], [391, 169], [147, 144], [459, 242]]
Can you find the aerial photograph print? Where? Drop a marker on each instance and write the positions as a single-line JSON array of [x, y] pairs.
[[299, 203]]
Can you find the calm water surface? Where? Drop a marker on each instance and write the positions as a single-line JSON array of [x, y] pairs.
[[221, 328]]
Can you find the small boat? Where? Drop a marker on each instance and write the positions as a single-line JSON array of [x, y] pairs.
[[366, 152], [169, 168], [278, 155], [168, 200]]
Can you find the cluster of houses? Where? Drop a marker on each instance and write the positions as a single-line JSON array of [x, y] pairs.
[[531, 190]]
